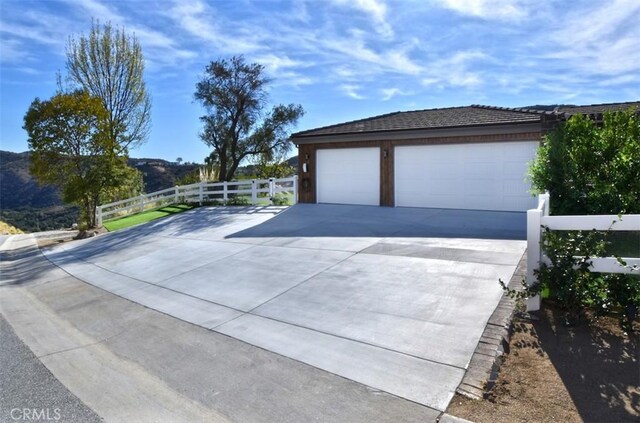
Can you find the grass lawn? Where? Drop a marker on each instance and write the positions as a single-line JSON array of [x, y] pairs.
[[149, 215]]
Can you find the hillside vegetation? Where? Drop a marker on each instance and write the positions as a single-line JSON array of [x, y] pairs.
[[6, 229], [32, 207]]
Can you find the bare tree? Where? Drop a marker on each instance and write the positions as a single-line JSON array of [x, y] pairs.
[[109, 65], [234, 94]]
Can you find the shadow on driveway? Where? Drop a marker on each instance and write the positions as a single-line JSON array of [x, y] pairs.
[[328, 220]]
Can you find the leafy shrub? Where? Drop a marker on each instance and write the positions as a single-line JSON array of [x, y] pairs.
[[213, 203], [588, 167], [280, 199], [591, 168], [574, 286], [238, 201]]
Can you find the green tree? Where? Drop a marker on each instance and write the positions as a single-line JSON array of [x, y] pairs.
[[72, 149], [274, 169], [236, 126], [109, 64], [590, 167]]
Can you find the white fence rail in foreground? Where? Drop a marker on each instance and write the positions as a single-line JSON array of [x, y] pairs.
[[539, 217], [255, 191]]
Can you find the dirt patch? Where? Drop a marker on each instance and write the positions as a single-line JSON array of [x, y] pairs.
[[586, 373], [43, 243]]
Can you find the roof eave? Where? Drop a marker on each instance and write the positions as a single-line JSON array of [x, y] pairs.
[[302, 136], [460, 130]]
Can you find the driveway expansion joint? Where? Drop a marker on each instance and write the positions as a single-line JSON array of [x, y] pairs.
[[333, 309]]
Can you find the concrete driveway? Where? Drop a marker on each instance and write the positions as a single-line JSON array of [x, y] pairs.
[[393, 298]]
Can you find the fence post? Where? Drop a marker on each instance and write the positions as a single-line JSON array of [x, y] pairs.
[[141, 203], [545, 197], [200, 193], [534, 218], [254, 192], [271, 188], [225, 195], [176, 197], [295, 189], [99, 216]]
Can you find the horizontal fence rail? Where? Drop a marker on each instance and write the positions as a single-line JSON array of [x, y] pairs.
[[539, 218], [250, 191]]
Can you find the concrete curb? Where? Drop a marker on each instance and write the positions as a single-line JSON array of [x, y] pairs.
[[448, 418], [485, 363]]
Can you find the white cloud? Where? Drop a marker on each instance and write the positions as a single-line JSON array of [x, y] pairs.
[[43, 28], [490, 9], [275, 62], [351, 90], [33, 27], [345, 72], [621, 80], [12, 51], [196, 18], [389, 93], [159, 48], [97, 10], [282, 69], [292, 79], [354, 48], [376, 10], [299, 11], [454, 70], [600, 40]]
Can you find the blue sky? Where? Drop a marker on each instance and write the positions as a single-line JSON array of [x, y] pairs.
[[340, 59]]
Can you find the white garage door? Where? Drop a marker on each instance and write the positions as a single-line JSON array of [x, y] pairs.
[[483, 176], [348, 176]]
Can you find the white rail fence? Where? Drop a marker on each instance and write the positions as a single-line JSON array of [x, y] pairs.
[[255, 191], [539, 217]]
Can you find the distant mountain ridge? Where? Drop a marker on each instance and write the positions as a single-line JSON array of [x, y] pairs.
[[19, 189], [33, 207]]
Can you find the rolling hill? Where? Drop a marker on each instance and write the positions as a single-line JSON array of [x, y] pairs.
[[32, 207]]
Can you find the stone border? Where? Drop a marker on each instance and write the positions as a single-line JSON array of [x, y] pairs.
[[483, 368]]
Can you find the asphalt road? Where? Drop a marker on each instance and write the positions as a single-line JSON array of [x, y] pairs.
[[28, 391]]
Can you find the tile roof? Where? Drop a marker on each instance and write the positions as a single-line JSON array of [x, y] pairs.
[[453, 117], [431, 118], [598, 108]]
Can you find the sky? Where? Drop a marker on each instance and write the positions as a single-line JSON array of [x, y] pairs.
[[340, 59]]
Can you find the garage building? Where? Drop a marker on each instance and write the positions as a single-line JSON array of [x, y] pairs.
[[474, 157]]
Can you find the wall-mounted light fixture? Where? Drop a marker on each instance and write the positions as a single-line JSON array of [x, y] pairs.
[[385, 153], [306, 156]]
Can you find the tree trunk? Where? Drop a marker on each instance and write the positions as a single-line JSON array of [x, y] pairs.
[[222, 174], [232, 169]]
